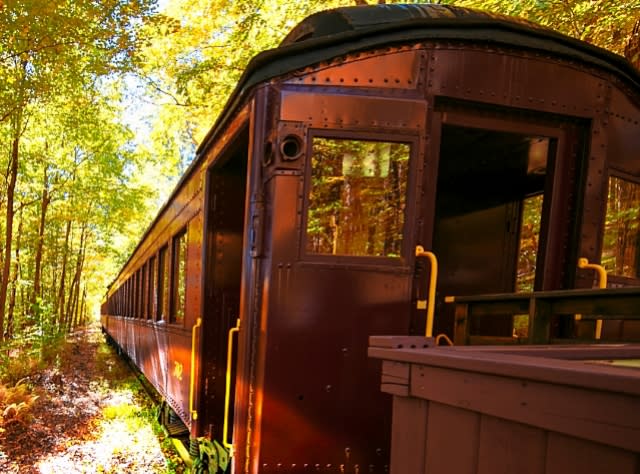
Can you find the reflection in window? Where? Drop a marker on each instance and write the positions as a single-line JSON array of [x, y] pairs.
[[163, 284], [178, 277], [127, 298], [144, 294], [151, 311], [620, 254], [529, 236], [357, 197], [130, 297], [137, 296]]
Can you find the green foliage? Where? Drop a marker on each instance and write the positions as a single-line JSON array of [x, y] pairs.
[[91, 169], [78, 199], [136, 413], [605, 23], [40, 344], [197, 51]]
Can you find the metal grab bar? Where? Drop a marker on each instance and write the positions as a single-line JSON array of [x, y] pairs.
[[602, 283], [227, 390], [192, 381], [433, 278]]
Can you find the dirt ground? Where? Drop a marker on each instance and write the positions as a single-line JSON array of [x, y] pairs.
[[91, 416]]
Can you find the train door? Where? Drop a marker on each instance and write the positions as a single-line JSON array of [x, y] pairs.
[[224, 229], [504, 207]]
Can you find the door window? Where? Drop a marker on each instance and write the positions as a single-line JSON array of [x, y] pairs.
[[357, 197], [530, 219], [620, 254]]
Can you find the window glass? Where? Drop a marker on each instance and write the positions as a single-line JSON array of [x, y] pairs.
[[528, 245], [163, 284], [136, 296], [620, 254], [153, 297], [129, 298], [178, 277], [139, 293], [357, 197], [144, 293]]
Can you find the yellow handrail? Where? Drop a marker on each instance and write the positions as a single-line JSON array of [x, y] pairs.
[[439, 337], [227, 391], [602, 283], [433, 278], [192, 381]]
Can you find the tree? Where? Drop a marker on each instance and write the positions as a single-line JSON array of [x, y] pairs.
[[197, 52], [632, 49], [51, 50], [605, 23]]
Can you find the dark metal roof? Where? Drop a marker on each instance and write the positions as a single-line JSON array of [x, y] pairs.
[[340, 31], [345, 19]]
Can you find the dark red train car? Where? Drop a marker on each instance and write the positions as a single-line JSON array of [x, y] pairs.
[[506, 149]]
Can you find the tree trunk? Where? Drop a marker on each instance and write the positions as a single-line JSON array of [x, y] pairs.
[[37, 277], [14, 284], [632, 50], [53, 291], [75, 283], [63, 276], [11, 187], [12, 177], [83, 307]]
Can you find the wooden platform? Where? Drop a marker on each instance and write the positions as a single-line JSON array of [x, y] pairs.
[[503, 410]]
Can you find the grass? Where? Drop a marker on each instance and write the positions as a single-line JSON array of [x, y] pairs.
[[130, 413], [110, 422]]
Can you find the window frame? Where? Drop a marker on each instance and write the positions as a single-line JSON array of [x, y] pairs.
[[625, 176], [136, 296], [152, 280], [144, 272], [406, 247], [174, 275], [164, 283]]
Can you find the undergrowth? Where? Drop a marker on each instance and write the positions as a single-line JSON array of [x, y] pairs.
[[20, 360], [16, 403], [127, 409], [135, 409]]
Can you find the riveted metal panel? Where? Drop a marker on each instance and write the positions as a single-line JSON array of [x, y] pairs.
[[345, 111], [623, 128], [513, 79], [392, 68], [595, 190]]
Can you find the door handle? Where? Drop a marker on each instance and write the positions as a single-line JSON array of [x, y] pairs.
[[227, 390], [433, 278], [192, 381]]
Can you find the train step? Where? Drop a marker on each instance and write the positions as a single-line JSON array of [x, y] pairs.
[[177, 429]]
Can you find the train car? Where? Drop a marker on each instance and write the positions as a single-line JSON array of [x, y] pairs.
[[506, 150]]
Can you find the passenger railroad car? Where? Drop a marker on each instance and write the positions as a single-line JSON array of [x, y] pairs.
[[505, 149]]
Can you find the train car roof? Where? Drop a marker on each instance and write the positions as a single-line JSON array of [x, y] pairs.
[[345, 30], [333, 33]]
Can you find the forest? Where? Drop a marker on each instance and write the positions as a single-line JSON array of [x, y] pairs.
[[102, 104]]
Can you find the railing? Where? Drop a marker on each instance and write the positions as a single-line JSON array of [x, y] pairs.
[[542, 307]]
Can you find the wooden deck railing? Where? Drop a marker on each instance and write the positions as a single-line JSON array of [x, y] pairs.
[[542, 307]]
